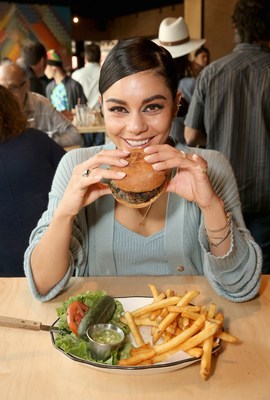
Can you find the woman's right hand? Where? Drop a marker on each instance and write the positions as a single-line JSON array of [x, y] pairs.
[[83, 190]]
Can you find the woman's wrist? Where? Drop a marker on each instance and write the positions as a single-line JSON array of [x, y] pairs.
[[215, 233], [217, 236], [215, 215], [217, 226], [62, 213]]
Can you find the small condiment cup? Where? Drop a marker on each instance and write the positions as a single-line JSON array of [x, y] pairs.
[[102, 351]]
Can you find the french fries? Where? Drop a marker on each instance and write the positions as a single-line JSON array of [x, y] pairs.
[[175, 325], [207, 346], [139, 357], [134, 329]]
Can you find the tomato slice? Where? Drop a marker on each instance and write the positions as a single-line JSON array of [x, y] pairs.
[[75, 312]]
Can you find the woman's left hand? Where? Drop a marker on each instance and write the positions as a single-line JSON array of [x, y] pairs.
[[191, 180]]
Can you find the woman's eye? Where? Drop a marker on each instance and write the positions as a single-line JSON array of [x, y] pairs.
[[118, 109], [154, 107]]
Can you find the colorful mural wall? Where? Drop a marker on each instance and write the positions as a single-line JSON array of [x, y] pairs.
[[50, 25]]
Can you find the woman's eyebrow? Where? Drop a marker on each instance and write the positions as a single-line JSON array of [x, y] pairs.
[[154, 97], [114, 100], [147, 100]]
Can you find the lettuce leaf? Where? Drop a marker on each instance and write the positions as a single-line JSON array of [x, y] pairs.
[[79, 347]]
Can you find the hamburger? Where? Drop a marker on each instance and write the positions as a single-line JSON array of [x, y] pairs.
[[142, 185]]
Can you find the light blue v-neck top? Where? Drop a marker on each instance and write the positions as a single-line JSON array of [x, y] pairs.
[[99, 246]]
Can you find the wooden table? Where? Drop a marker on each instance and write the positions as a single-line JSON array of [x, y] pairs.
[[68, 148], [91, 129], [32, 369]]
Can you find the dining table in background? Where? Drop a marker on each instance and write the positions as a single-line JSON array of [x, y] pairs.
[[91, 128], [32, 369], [69, 148], [97, 126]]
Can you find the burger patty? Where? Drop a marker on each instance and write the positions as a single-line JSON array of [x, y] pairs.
[[133, 197]]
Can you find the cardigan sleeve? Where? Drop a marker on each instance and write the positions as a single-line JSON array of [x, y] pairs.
[[78, 246], [236, 276]]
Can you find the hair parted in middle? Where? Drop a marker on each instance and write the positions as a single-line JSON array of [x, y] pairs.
[[135, 55]]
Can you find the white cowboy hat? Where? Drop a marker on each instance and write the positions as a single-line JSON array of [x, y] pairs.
[[174, 36]]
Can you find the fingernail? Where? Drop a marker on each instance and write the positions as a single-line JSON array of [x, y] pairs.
[[123, 161], [97, 177], [125, 151], [155, 166], [148, 158], [183, 154], [121, 174]]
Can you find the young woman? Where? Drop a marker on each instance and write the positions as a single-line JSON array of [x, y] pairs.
[[201, 57], [195, 227]]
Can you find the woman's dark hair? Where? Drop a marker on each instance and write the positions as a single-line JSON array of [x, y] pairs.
[[252, 20], [12, 120], [135, 55], [183, 67], [200, 50]]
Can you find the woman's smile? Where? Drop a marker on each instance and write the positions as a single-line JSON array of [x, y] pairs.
[[137, 143]]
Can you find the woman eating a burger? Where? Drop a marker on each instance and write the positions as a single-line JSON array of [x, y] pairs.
[[141, 205]]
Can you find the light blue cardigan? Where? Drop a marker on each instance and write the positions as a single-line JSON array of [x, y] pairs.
[[236, 276]]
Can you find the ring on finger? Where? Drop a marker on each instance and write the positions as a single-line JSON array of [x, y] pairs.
[[86, 173]]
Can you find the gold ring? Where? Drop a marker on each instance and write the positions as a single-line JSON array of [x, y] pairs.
[[204, 171], [86, 173]]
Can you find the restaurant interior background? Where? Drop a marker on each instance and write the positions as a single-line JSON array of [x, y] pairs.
[[51, 22]]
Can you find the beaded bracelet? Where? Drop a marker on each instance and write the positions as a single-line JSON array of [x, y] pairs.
[[222, 239], [229, 218]]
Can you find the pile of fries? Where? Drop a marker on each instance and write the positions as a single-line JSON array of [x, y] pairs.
[[175, 325]]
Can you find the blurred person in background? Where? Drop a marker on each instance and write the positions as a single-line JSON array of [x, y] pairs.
[[34, 60], [37, 108], [88, 77], [174, 36], [230, 112], [201, 59], [63, 91], [28, 160]]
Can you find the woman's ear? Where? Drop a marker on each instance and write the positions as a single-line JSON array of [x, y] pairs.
[[100, 104], [178, 98]]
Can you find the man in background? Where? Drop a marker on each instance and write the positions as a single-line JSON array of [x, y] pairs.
[[38, 109], [88, 77], [34, 60], [63, 91], [230, 112]]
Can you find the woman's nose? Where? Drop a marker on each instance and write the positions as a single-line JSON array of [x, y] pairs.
[[136, 124]]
